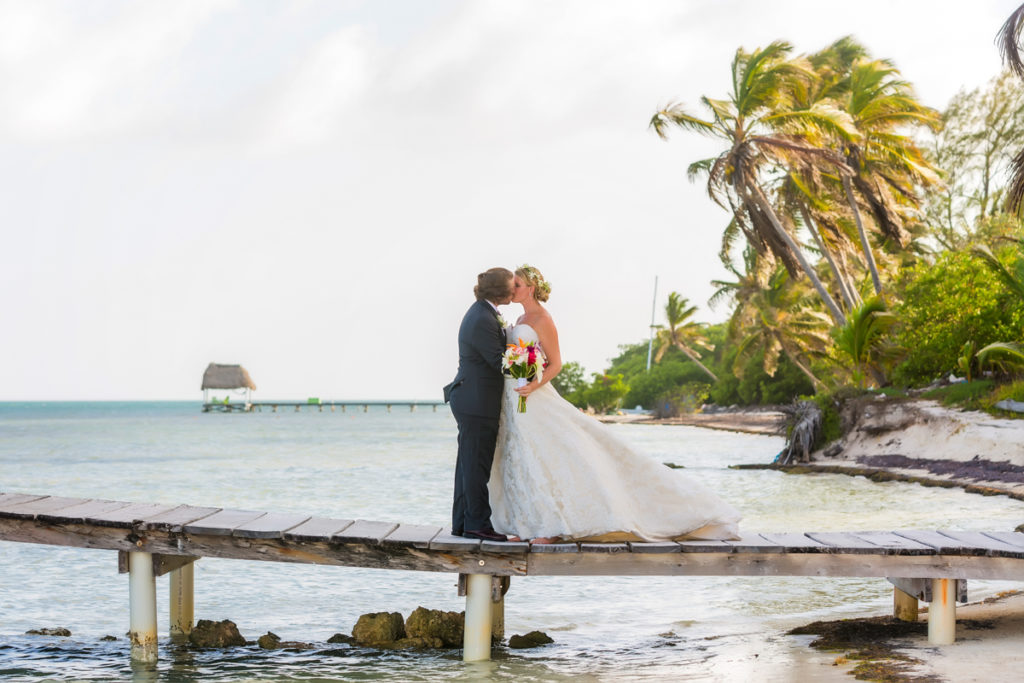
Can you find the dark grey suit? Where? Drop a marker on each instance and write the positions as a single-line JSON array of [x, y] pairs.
[[475, 396]]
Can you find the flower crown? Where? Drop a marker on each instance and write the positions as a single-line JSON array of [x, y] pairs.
[[534, 276]]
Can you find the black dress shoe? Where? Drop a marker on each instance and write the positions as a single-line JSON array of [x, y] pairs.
[[456, 533], [486, 535]]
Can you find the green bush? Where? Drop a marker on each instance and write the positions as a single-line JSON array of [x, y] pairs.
[[967, 395], [955, 301], [679, 400], [605, 392]]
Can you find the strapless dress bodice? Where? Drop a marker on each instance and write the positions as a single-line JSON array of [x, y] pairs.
[[524, 332]]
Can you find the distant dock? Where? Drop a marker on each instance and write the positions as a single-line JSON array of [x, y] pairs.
[[298, 406]]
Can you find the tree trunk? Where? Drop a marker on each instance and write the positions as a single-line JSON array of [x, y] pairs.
[[761, 204], [815, 382], [868, 256], [692, 356], [840, 281]]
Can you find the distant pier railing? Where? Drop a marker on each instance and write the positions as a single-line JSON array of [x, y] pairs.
[[318, 406]]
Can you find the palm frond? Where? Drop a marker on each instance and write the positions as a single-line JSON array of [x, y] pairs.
[[676, 114], [1015, 190], [1004, 355], [1008, 40]]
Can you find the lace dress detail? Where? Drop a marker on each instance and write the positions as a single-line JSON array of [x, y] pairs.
[[559, 472]]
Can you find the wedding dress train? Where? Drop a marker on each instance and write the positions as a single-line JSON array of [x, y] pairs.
[[559, 472]]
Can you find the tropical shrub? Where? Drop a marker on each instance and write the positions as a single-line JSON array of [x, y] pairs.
[[605, 392], [946, 305]]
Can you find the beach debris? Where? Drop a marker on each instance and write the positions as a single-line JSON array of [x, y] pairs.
[[674, 466], [342, 638], [207, 633], [803, 424], [58, 631], [433, 624], [379, 628], [108, 638], [531, 639]]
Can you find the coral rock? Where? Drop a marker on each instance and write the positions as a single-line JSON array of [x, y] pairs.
[[431, 624], [215, 634], [379, 628]]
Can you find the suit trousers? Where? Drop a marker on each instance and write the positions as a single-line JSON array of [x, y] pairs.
[[471, 509]]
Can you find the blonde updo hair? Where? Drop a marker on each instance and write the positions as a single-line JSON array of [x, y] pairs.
[[532, 277]]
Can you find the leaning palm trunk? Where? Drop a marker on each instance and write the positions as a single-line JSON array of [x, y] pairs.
[[692, 356], [840, 280], [868, 256], [815, 382], [755, 195]]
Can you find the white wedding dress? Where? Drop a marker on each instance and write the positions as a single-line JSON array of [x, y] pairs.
[[559, 472]]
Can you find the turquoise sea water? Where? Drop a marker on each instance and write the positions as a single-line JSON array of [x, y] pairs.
[[398, 466]]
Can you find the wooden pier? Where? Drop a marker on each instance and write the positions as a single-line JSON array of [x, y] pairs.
[[331, 406], [153, 539]]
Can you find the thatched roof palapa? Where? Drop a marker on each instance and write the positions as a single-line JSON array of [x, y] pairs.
[[226, 377]]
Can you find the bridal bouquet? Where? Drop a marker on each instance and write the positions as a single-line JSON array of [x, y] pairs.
[[522, 361]]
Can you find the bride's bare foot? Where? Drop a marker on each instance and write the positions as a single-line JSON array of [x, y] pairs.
[[514, 539], [544, 541]]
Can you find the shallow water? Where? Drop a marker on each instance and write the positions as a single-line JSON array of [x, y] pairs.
[[398, 466]]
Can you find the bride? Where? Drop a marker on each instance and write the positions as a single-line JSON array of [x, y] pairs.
[[559, 473]]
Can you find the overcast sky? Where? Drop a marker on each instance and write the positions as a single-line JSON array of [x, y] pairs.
[[310, 188]]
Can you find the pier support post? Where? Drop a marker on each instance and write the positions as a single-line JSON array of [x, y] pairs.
[[476, 640], [142, 604], [942, 612], [182, 582], [904, 607], [499, 586]]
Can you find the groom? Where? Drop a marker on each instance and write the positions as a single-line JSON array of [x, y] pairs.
[[475, 397]]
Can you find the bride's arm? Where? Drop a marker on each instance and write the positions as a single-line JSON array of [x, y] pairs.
[[547, 336]]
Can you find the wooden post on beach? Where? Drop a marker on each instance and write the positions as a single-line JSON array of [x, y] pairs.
[[499, 586], [142, 604], [904, 606], [942, 612], [476, 640], [182, 584]]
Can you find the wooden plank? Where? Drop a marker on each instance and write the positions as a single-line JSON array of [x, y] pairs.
[[365, 531], [796, 543], [845, 542], [270, 550], [412, 535], [774, 564], [993, 547], [754, 543], [128, 516], [270, 525], [82, 511], [317, 529], [176, 518], [609, 548], [221, 523], [893, 544], [446, 541], [646, 547], [554, 548], [704, 547], [29, 509], [16, 498], [515, 547], [943, 545], [1014, 538]]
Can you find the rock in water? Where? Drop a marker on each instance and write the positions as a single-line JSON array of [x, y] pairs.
[[433, 624], [341, 638], [59, 631], [531, 639], [269, 641], [379, 627], [215, 634]]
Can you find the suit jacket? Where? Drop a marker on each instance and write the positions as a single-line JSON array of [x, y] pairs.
[[479, 382]]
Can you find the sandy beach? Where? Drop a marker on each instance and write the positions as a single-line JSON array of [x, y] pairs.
[[745, 421]]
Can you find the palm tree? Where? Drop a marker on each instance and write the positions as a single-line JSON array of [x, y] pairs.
[[682, 333], [1010, 48], [779, 319], [754, 123], [862, 340]]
